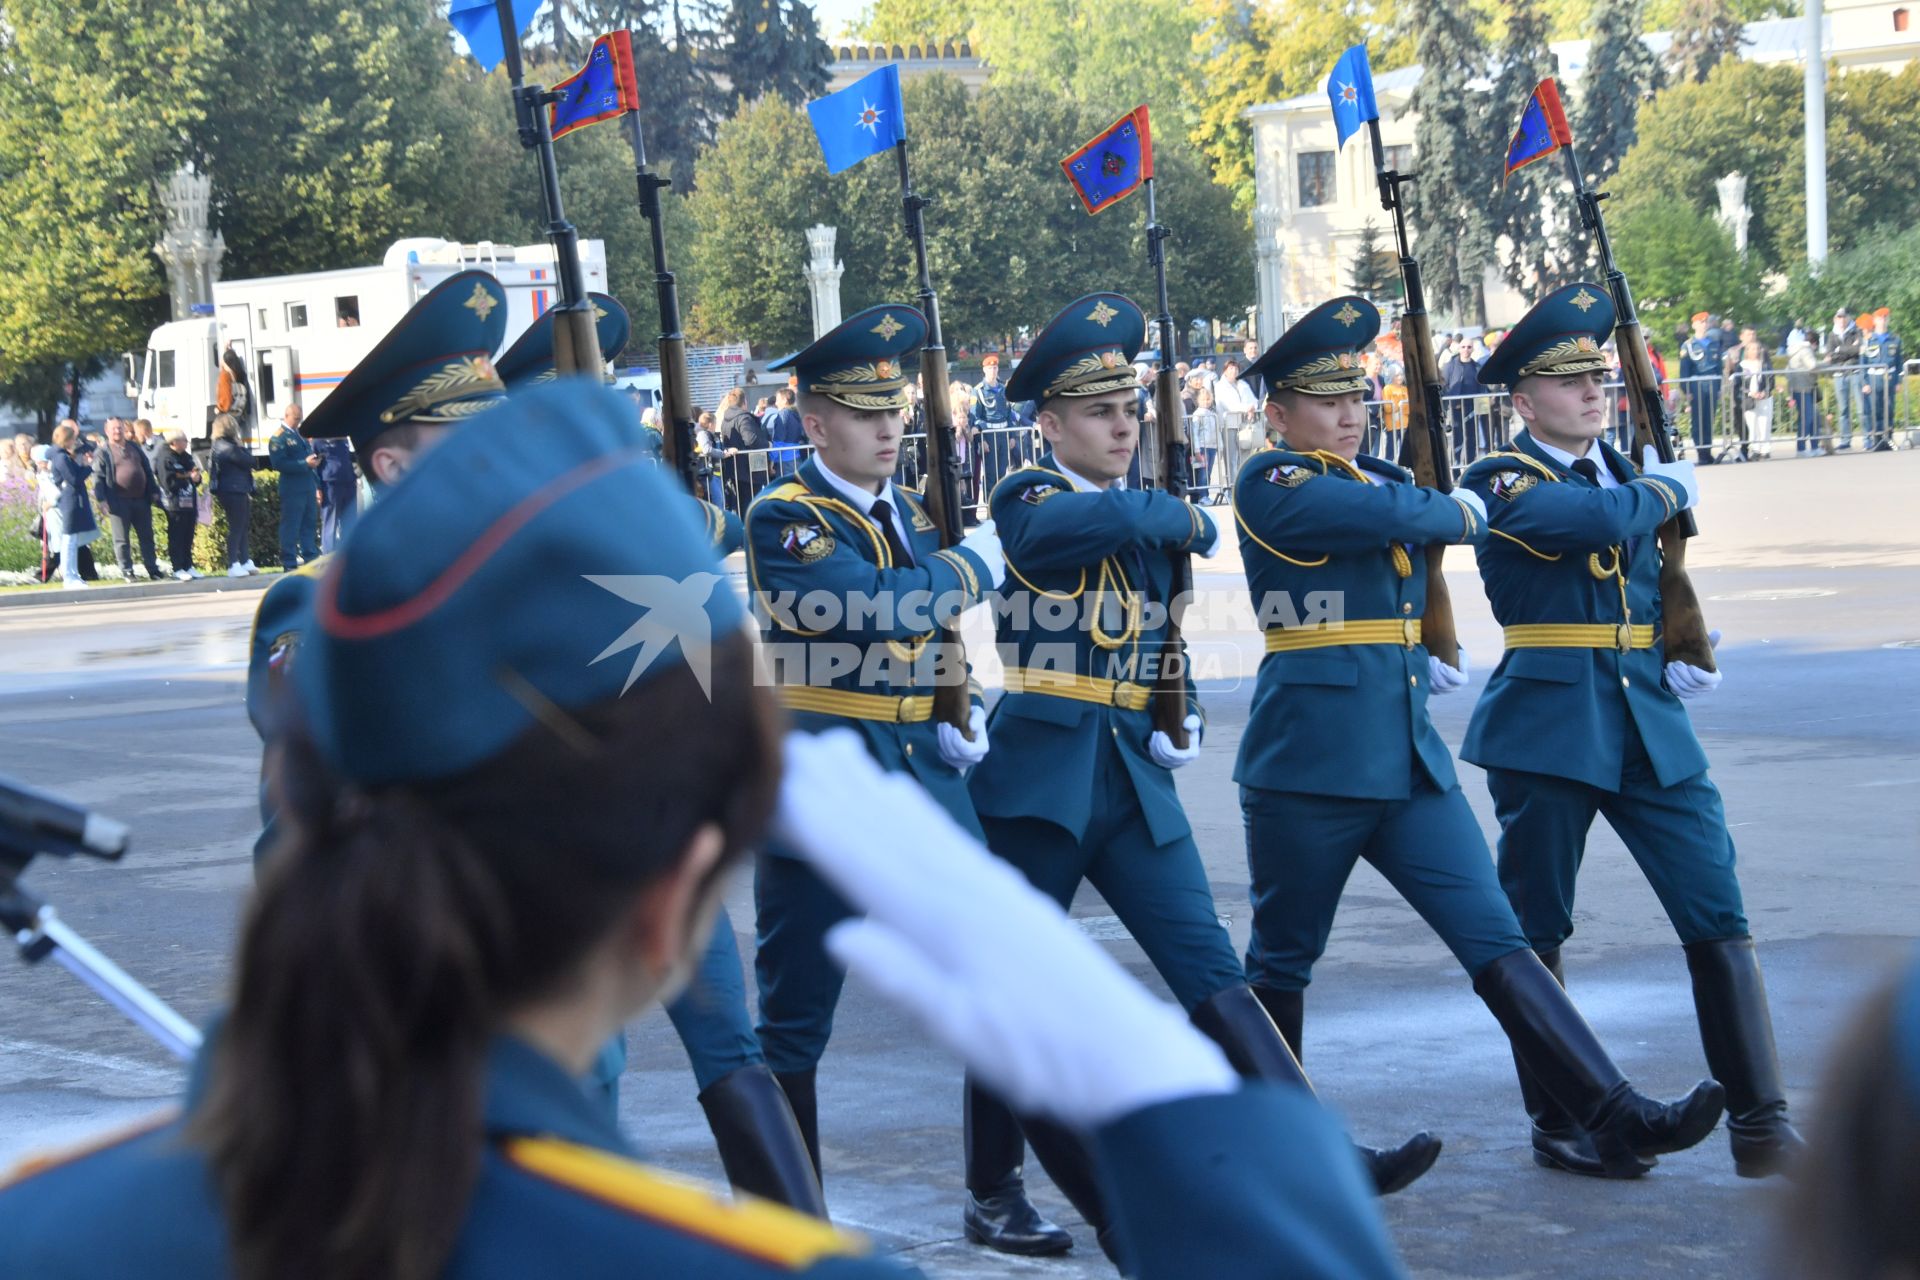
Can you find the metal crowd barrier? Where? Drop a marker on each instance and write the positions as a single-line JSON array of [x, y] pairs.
[[1822, 411]]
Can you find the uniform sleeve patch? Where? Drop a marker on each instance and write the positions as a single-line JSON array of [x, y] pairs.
[[1035, 494], [1290, 475], [806, 542], [1509, 485]]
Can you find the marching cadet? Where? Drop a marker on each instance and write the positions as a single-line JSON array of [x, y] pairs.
[[1880, 382], [1080, 784], [991, 416], [840, 539], [1582, 718], [494, 859], [753, 1127], [1702, 369], [1317, 520]]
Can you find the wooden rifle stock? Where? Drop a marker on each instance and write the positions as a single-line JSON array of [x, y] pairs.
[[1424, 450]]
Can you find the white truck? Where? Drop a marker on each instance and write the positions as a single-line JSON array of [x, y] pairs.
[[300, 334]]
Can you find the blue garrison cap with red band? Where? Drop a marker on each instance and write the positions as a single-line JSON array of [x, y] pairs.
[[538, 559]]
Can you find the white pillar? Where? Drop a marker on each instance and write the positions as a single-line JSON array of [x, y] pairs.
[[1816, 111], [823, 278], [190, 249], [1734, 214], [1269, 259]]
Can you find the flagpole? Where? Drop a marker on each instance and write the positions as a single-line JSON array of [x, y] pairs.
[[676, 390], [576, 339]]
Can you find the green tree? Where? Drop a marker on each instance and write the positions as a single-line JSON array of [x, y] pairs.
[[1704, 32], [1882, 270], [1679, 261], [770, 46], [1447, 207], [910, 21], [1372, 265], [1524, 239], [1621, 74]]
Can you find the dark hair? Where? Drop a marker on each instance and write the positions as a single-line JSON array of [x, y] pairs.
[[395, 927], [1851, 1216]]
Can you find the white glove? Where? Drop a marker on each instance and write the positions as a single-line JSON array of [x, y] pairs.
[[954, 747], [1689, 681], [983, 961], [1680, 472], [984, 542], [1212, 543], [1442, 678], [1471, 501], [1166, 755]]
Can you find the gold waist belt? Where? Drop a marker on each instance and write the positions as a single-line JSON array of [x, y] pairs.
[[1580, 635], [1066, 684], [1400, 631], [856, 706]]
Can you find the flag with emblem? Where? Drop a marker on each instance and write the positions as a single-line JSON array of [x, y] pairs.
[[863, 119], [478, 22], [1114, 164], [1350, 89], [602, 90], [1543, 128]]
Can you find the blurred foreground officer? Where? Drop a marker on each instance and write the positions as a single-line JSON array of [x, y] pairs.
[[1317, 520], [494, 859], [753, 1126], [1080, 784], [1581, 717]]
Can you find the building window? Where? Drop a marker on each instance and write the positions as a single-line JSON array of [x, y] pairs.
[[1400, 157], [346, 313], [1316, 178], [263, 317], [1899, 19], [296, 315]]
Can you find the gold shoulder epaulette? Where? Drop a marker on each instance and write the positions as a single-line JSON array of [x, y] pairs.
[[754, 1228]]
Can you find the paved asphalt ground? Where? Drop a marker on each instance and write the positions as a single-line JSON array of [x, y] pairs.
[[1812, 568]]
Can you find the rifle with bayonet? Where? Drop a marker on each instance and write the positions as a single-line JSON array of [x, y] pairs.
[[676, 388], [1175, 471]]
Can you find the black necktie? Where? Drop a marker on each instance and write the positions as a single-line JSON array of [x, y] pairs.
[[1587, 468], [882, 514]]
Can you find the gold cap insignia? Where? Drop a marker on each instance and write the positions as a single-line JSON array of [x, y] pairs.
[[1109, 359], [1346, 315], [883, 368], [1102, 314], [1346, 359], [1587, 344], [1583, 300], [887, 327], [599, 312], [481, 303]]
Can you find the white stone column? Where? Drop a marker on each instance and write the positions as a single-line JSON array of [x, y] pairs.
[[1269, 261], [823, 278], [190, 249]]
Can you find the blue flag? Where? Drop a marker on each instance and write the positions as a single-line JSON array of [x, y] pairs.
[[1115, 163], [1350, 87], [478, 22], [603, 89], [1543, 128], [861, 120]]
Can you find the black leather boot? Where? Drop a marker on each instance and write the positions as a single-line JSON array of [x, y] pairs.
[[1237, 1020], [998, 1213], [798, 1086], [760, 1143], [1557, 1047], [1288, 1009], [1730, 999], [1068, 1162], [1558, 1142]]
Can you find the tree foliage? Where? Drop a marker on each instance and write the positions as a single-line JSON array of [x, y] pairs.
[[1447, 207], [1526, 243], [1704, 33], [770, 47], [1621, 73], [1681, 260]]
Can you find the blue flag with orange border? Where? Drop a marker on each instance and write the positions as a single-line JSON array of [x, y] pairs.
[[603, 89], [1114, 164], [1543, 128]]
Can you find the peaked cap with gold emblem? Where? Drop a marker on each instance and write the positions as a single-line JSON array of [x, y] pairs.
[[530, 359], [1564, 333], [1320, 354], [863, 363], [435, 366], [1086, 350]]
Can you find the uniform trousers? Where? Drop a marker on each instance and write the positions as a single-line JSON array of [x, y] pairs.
[[1301, 849], [1160, 892], [1677, 834]]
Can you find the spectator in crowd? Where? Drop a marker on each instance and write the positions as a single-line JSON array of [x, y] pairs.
[[339, 491], [1203, 430], [746, 441], [1843, 358], [125, 486], [1460, 385], [1802, 390], [1376, 403], [1238, 437], [1701, 361], [1756, 383], [1880, 382], [153, 444], [706, 451], [47, 502], [292, 455], [77, 525], [231, 393], [972, 459], [990, 414], [786, 432], [232, 488], [1394, 401], [17, 458], [180, 498]]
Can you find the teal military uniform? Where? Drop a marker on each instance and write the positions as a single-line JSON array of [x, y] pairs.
[[299, 492], [814, 563], [1577, 721], [1880, 381], [1335, 558]]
